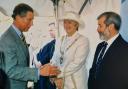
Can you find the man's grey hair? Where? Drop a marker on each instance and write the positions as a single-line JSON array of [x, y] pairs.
[[111, 18]]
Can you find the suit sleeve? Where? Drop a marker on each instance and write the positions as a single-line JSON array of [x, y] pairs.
[[18, 71], [79, 59]]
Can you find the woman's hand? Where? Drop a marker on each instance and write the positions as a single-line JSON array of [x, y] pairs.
[[59, 83]]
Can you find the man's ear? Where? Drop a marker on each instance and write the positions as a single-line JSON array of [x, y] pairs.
[[111, 26], [17, 17]]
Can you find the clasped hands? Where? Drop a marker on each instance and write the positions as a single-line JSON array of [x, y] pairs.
[[49, 70], [52, 71]]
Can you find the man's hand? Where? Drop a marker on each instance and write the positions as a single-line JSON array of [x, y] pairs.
[[49, 70]]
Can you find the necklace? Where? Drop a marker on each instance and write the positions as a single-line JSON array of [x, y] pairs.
[[64, 51]]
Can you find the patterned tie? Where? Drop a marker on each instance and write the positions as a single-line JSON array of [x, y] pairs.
[[26, 45], [100, 56], [23, 38]]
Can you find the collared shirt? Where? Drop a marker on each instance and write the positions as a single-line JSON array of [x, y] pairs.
[[17, 30], [110, 41]]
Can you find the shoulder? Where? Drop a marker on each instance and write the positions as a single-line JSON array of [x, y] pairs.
[[52, 42], [49, 44], [83, 39], [7, 39], [121, 41], [60, 39], [8, 34]]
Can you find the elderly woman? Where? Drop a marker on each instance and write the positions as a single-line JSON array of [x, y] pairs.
[[70, 54]]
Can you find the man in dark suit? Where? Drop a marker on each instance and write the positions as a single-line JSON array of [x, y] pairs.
[[110, 65], [15, 49]]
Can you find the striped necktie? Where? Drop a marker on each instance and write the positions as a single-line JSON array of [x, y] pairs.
[[26, 45], [23, 38], [100, 57]]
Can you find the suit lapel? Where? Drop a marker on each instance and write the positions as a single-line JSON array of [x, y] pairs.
[[113, 46], [98, 49], [19, 42], [109, 50]]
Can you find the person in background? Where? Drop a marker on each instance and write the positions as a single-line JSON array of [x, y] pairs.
[[70, 54], [44, 56], [15, 49], [109, 69]]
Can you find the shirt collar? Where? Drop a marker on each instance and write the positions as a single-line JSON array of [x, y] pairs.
[[110, 41], [17, 30]]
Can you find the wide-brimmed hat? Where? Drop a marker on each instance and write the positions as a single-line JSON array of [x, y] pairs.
[[70, 15]]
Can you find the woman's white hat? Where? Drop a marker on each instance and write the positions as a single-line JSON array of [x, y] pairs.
[[70, 15]]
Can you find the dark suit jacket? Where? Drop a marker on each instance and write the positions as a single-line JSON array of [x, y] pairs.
[[16, 56], [2, 65], [113, 73]]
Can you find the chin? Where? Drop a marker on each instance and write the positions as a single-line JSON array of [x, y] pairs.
[[26, 30], [102, 38]]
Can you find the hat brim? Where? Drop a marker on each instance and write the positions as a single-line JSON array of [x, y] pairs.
[[79, 21]]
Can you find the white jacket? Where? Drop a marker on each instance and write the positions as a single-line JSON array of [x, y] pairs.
[[73, 68]]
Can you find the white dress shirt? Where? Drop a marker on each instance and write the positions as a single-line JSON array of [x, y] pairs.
[[110, 41]]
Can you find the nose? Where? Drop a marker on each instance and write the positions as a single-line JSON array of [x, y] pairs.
[[98, 29], [31, 23]]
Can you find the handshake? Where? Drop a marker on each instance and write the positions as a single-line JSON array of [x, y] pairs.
[[49, 70], [52, 72]]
